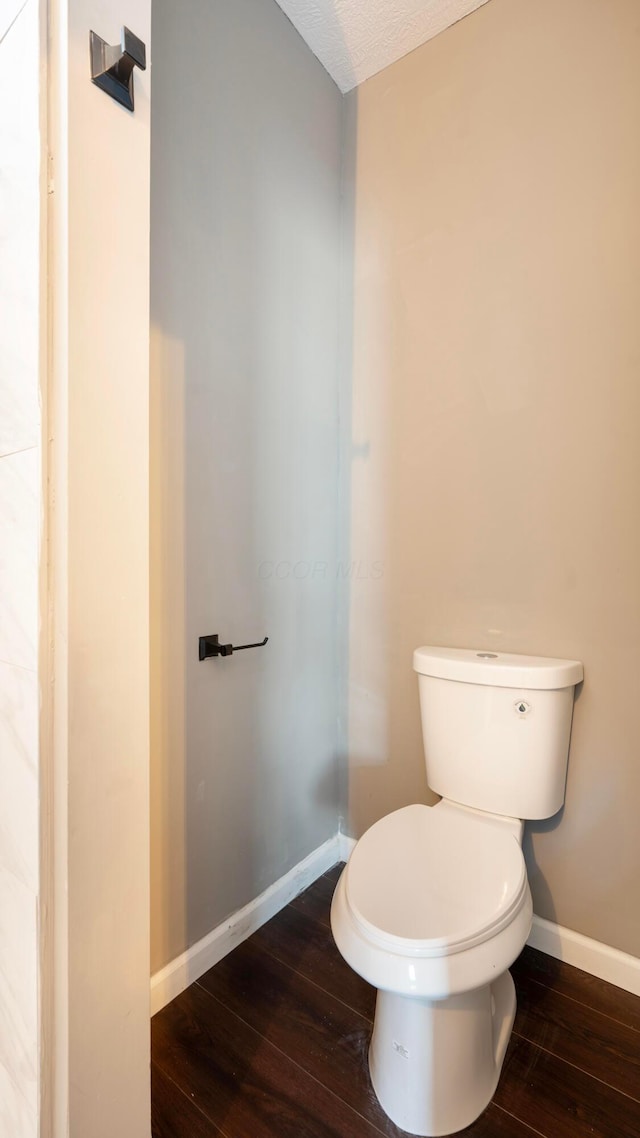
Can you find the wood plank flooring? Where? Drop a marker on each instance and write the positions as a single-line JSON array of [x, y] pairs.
[[273, 1042]]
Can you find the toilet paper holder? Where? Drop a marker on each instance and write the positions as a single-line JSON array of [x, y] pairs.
[[210, 646]]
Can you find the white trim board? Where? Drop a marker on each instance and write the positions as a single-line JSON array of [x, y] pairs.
[[171, 980], [591, 956], [346, 846]]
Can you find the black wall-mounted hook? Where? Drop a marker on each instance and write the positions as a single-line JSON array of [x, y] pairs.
[[210, 646], [112, 67]]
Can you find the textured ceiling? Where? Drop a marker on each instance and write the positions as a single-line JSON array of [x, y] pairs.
[[354, 39]]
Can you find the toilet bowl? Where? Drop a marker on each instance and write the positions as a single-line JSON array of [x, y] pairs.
[[432, 908], [434, 904]]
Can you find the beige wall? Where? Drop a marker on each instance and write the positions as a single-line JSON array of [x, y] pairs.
[[496, 408], [244, 459]]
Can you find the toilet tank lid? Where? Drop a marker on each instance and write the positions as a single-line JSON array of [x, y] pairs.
[[497, 669]]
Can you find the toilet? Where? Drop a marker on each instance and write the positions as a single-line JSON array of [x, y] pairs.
[[434, 905]]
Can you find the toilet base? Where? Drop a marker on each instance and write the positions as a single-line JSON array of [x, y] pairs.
[[435, 1065]]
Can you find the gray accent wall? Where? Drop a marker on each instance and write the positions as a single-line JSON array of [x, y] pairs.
[[245, 259]]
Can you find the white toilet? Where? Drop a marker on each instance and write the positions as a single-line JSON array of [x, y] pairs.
[[434, 903]]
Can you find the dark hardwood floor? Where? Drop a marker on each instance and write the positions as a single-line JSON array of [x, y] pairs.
[[273, 1042]]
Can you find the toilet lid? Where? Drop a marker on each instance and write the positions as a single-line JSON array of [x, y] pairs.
[[430, 882]]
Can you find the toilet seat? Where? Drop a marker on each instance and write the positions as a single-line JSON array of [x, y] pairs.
[[429, 882]]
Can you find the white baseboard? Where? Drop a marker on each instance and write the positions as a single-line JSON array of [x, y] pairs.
[[171, 980], [346, 846], [590, 955]]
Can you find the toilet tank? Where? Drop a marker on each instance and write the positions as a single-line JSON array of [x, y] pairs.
[[496, 728]]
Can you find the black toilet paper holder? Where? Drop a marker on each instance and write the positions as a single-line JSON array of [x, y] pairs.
[[210, 646]]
